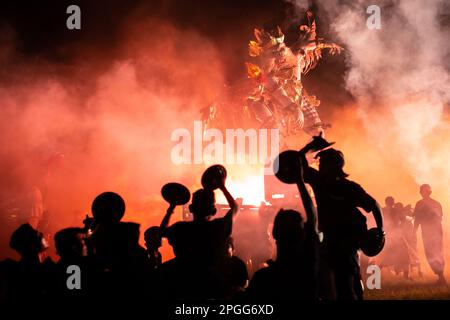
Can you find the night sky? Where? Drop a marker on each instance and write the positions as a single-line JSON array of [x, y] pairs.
[[39, 29]]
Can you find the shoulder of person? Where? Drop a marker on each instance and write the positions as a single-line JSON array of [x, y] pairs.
[[419, 203], [264, 273], [436, 202], [237, 265], [311, 172], [7, 264], [220, 221], [176, 227], [179, 224], [352, 185], [238, 261]]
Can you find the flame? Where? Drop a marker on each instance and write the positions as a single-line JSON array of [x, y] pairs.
[[253, 71], [254, 49], [250, 187]]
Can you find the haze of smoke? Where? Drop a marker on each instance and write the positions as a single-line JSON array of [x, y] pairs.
[[75, 142], [399, 77]]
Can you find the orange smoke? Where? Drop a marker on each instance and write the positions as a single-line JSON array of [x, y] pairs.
[[113, 125]]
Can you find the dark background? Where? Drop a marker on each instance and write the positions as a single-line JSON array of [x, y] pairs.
[[40, 31]]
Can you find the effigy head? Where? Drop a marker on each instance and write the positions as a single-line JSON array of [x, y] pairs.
[[265, 40], [273, 36]]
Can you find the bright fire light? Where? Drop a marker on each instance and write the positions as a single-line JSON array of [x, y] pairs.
[[250, 188]]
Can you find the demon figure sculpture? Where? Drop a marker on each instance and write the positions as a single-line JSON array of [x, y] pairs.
[[276, 97]]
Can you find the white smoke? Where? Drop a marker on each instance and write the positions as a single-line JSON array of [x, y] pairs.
[[399, 76]]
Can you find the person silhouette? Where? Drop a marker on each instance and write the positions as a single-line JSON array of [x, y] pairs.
[[121, 263], [70, 245], [402, 229], [235, 274], [340, 220], [388, 212], [293, 275], [200, 246], [108, 208], [72, 251], [428, 216], [152, 238], [27, 279]]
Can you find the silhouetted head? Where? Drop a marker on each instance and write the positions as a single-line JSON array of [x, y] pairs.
[[70, 243], [288, 228], [108, 207], [400, 212], [27, 241], [425, 191], [399, 206], [408, 210], [203, 204], [331, 163], [152, 238], [389, 202]]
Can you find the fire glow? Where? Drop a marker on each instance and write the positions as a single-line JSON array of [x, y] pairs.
[[115, 130], [248, 187]]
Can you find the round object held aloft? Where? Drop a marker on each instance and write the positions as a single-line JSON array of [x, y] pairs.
[[175, 193], [287, 166], [214, 176], [108, 207], [372, 243]]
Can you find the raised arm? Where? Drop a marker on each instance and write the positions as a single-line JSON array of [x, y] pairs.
[[369, 204], [311, 225], [311, 213], [165, 221], [231, 202], [316, 144]]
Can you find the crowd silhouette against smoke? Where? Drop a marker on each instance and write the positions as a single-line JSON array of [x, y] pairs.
[[316, 255], [86, 123]]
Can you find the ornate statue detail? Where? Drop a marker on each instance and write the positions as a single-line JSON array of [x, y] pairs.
[[276, 97]]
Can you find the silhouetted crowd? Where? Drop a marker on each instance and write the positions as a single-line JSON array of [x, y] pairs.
[[402, 224], [316, 257]]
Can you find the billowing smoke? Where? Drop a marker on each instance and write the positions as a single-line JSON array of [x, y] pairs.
[[396, 134], [103, 120], [399, 77], [73, 131]]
